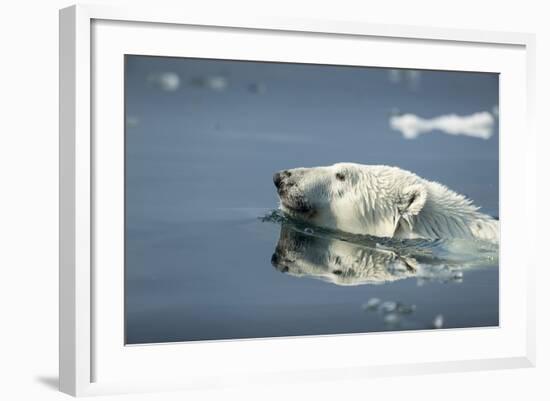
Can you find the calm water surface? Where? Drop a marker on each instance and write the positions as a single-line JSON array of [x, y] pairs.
[[238, 276]]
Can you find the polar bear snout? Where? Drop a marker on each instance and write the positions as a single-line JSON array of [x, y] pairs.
[[283, 181], [293, 198], [278, 262], [280, 178]]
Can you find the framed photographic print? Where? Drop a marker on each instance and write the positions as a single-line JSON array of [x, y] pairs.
[[251, 200]]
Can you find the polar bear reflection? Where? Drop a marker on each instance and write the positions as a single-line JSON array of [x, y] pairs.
[[338, 262]]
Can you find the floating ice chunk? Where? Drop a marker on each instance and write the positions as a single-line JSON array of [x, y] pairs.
[[438, 322], [217, 83], [458, 275], [167, 81], [214, 82], [477, 125], [371, 304]]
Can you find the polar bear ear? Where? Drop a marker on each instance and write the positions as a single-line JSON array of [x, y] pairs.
[[412, 199]]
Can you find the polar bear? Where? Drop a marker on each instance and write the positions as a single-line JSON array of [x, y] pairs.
[[381, 201]]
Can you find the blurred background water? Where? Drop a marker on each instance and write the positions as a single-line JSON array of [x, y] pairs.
[[203, 138]]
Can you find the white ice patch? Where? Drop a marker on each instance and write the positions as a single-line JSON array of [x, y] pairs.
[[477, 125], [167, 81], [216, 83]]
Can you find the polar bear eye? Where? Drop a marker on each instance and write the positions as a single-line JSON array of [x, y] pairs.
[[340, 176]]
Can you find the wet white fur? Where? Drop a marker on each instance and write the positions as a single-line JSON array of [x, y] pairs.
[[386, 202]]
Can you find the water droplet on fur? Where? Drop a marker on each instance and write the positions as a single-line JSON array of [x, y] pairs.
[[308, 231]]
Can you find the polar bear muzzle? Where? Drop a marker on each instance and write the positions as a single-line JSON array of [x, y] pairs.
[[291, 198]]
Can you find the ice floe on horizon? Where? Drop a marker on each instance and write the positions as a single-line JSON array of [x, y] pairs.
[[477, 125], [166, 81]]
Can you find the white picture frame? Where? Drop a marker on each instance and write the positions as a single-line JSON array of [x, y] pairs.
[[88, 337]]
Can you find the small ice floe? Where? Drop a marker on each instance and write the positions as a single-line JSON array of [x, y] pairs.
[[371, 304], [392, 319], [438, 322], [388, 306], [308, 230], [166, 81], [476, 125], [216, 83]]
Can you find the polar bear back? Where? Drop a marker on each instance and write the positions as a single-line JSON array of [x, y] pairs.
[[447, 214]]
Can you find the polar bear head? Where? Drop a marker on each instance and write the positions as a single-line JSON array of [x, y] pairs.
[[350, 197]]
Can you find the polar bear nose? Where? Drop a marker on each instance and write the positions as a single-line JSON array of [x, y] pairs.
[[277, 179], [279, 176], [276, 262]]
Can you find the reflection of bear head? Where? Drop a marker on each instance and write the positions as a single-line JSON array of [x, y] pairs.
[[380, 200], [337, 261]]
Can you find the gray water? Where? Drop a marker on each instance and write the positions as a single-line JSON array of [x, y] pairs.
[[219, 279], [209, 257]]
